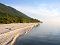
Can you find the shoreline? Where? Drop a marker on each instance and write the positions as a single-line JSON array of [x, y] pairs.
[[20, 30]]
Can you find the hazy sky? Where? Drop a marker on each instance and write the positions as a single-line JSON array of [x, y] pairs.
[[41, 9]]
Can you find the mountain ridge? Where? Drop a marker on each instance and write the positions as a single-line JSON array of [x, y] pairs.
[[11, 15]]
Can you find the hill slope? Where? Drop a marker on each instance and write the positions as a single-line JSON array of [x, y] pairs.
[[11, 15]]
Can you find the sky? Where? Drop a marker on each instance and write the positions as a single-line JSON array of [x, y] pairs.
[[45, 10]]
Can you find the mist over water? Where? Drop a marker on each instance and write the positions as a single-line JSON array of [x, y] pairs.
[[47, 33]]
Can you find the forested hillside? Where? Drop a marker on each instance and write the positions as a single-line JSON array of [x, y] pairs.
[[11, 15]]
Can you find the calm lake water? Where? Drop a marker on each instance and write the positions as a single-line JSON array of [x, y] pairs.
[[44, 34]]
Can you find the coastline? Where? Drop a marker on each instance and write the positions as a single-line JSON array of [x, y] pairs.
[[15, 30]]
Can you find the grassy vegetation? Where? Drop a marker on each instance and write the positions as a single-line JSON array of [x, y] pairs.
[[11, 15]]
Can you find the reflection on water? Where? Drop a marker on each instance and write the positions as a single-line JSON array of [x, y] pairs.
[[44, 34]]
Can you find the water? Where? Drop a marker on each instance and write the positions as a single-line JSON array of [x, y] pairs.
[[44, 34]]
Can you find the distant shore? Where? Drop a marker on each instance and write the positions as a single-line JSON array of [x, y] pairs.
[[10, 32]]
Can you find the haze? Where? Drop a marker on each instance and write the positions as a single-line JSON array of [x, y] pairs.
[[45, 10]]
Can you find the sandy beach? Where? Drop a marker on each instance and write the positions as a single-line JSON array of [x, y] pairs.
[[10, 32]]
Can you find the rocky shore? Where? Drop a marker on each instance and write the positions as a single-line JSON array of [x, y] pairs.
[[10, 32]]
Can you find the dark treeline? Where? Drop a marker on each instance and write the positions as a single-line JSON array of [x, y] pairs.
[[11, 15]]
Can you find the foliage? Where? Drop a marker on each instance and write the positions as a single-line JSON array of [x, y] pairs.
[[11, 15]]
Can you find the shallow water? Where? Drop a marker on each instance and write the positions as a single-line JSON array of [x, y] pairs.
[[44, 34]]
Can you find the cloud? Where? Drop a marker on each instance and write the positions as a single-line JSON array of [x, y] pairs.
[[42, 11]]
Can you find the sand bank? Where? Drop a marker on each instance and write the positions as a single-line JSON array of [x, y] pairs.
[[10, 32]]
